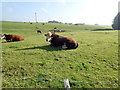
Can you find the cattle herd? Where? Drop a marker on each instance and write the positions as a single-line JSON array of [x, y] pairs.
[[54, 39]]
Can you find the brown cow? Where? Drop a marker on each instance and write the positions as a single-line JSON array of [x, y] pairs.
[[13, 38], [64, 42]]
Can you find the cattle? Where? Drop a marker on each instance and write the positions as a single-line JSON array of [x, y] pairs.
[[55, 27], [39, 31], [61, 41], [43, 23], [12, 38]]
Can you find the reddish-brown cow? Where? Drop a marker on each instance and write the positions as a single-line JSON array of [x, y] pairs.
[[13, 38], [64, 42]]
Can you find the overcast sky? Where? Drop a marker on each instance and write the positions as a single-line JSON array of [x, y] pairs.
[[67, 11]]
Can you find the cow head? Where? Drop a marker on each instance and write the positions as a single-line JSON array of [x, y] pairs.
[[2, 36], [48, 36]]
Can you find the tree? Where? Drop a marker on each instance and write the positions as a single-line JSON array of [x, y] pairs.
[[116, 22]]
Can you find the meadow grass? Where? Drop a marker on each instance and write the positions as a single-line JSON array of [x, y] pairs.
[[95, 60]]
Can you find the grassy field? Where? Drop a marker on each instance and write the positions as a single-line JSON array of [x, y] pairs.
[[32, 63]]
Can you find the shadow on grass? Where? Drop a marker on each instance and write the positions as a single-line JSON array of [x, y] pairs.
[[47, 48], [102, 29], [9, 42]]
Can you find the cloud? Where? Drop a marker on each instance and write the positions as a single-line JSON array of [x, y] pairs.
[[44, 10]]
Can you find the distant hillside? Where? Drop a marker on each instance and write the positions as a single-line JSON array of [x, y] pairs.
[[21, 26]]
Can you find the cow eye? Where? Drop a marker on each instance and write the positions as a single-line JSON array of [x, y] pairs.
[[45, 34]]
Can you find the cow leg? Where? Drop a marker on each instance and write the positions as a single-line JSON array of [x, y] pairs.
[[64, 46], [9, 40]]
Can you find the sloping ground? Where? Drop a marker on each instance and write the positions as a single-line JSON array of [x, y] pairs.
[[32, 63]]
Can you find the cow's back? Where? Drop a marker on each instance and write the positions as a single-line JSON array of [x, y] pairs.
[[12, 38], [18, 38]]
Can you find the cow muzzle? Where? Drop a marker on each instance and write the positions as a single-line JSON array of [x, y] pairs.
[[2, 36], [48, 39]]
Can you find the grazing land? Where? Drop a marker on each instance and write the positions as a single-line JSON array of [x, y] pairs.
[[32, 63]]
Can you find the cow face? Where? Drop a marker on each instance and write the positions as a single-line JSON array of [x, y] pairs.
[[48, 36], [2, 36]]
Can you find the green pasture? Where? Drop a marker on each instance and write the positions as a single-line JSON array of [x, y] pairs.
[[32, 63]]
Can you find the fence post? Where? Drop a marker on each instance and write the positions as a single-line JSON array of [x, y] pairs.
[[66, 84]]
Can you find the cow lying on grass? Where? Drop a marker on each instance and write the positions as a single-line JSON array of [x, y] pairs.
[[12, 38], [63, 42]]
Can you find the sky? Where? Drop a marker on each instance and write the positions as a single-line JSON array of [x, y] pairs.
[[100, 12]]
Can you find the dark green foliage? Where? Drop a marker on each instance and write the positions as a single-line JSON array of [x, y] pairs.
[[116, 22]]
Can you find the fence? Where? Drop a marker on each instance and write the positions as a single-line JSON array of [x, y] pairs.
[[66, 81]]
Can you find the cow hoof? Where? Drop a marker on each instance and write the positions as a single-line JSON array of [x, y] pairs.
[[64, 47]]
